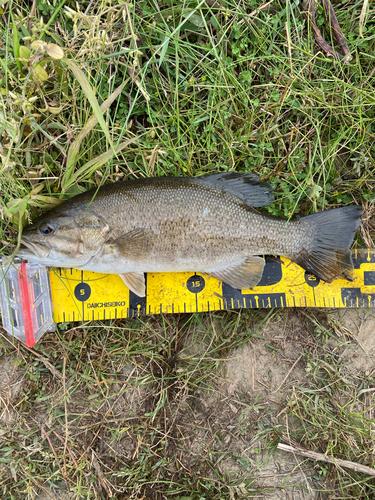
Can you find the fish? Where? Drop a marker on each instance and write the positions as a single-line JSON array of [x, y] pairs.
[[208, 224]]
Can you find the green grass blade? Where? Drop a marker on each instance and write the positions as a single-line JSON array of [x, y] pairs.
[[165, 46], [91, 166], [16, 45], [89, 93], [76, 145]]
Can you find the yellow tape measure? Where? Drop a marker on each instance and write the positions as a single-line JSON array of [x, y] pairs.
[[84, 296]]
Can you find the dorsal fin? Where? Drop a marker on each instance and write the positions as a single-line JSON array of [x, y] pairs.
[[245, 186]]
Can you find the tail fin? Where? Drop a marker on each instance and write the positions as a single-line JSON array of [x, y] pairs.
[[329, 256]]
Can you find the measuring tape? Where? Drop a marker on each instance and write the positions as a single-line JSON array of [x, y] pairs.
[[84, 296], [30, 307]]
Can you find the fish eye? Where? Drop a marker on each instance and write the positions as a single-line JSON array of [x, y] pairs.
[[48, 228]]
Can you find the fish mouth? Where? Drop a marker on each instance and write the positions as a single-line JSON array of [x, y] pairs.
[[29, 249]]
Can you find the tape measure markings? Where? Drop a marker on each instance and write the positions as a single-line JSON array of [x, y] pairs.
[[284, 284]]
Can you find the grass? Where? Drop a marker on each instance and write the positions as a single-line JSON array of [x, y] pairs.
[[133, 409]]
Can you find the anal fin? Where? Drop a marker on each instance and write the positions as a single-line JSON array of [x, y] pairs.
[[135, 282], [241, 275]]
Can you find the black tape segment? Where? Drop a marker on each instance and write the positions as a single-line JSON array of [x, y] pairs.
[[137, 305]]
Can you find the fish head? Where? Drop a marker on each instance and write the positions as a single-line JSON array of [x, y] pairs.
[[63, 239]]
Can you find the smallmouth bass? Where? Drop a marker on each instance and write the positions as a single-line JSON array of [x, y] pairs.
[[200, 224]]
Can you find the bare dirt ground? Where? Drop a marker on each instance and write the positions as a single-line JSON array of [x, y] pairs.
[[252, 398], [268, 377]]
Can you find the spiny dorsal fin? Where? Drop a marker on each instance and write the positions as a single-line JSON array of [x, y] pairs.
[[243, 185]]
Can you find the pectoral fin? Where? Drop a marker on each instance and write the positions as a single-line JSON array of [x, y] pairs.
[[241, 275], [135, 282], [136, 243]]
